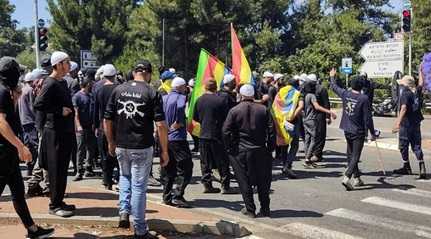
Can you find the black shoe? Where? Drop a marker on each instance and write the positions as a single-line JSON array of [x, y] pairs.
[[289, 173], [35, 191], [146, 236], [180, 203], [40, 233], [228, 191], [247, 213], [89, 175], [124, 221], [108, 187], [61, 212], [405, 170], [264, 213], [211, 189], [78, 178], [422, 171], [68, 207]]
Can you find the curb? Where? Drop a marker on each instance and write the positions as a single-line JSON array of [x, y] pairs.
[[220, 228]]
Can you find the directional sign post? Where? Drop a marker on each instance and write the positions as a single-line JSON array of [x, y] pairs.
[[347, 68], [41, 23], [88, 59], [382, 59]]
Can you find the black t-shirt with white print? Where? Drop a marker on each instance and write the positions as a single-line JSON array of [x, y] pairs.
[[134, 106]]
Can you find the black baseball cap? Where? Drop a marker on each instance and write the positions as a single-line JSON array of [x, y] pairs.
[[143, 66]]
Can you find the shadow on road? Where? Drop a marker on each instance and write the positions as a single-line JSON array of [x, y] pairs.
[[383, 184], [92, 195], [101, 211], [284, 213]]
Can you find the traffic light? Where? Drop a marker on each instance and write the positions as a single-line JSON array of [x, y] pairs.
[[407, 20], [43, 38]]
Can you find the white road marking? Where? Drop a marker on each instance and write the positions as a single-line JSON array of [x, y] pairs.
[[314, 232], [415, 192], [388, 223], [398, 205]]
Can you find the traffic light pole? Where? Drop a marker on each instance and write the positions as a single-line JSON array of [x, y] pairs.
[[36, 34], [410, 52]]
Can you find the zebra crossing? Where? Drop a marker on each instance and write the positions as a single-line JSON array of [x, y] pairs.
[[373, 220]]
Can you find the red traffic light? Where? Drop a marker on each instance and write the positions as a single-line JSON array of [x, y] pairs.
[[406, 13]]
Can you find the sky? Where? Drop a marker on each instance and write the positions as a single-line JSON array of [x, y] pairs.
[[24, 11]]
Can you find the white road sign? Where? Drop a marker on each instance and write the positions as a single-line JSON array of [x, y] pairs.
[[346, 65], [382, 59], [88, 59]]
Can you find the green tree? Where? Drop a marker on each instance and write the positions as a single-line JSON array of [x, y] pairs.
[[12, 41], [421, 31], [97, 25]]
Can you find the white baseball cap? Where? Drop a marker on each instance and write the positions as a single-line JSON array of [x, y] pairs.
[[296, 77], [28, 77], [247, 90], [278, 76], [177, 82], [228, 78], [109, 70], [192, 82], [268, 74], [73, 66], [57, 57], [312, 77]]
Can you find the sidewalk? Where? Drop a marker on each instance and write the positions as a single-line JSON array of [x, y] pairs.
[[97, 210]]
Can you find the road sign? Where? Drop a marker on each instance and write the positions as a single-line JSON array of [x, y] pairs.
[[346, 65], [41, 23], [88, 59], [382, 59], [407, 4]]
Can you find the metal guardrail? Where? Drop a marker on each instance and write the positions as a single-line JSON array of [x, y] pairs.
[[338, 101]]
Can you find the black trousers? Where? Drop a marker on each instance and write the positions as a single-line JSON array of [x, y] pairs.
[[355, 144], [109, 163], [86, 153], [195, 142], [213, 156], [57, 150], [13, 179], [253, 167], [411, 136], [320, 136], [179, 170]]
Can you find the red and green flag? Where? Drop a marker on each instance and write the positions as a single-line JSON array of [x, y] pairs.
[[209, 67], [240, 67]]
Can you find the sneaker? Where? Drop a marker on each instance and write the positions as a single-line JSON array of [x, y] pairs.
[[78, 178], [61, 212], [315, 159], [124, 221], [68, 207], [346, 183], [35, 191], [211, 189], [405, 170], [289, 173], [247, 213], [108, 187], [422, 171], [264, 213], [153, 182], [309, 165], [40, 233], [180, 203], [357, 182]]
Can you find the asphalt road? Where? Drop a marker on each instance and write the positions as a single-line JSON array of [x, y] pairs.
[[317, 206]]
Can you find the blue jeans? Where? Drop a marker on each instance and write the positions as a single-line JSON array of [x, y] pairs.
[[135, 166]]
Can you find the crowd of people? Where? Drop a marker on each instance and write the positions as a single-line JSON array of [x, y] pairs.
[[59, 114]]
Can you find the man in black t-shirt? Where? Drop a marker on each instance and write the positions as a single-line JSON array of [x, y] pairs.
[[58, 134], [131, 112], [409, 125], [208, 113], [101, 100], [12, 150]]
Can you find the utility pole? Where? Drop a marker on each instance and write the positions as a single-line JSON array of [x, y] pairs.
[[163, 41], [36, 34]]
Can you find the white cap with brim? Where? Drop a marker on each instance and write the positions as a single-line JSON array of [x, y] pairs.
[[296, 77], [268, 74], [228, 78], [28, 77], [303, 77], [58, 57], [312, 77], [73, 66], [109, 70], [37, 74], [278, 76], [192, 82], [247, 90], [177, 82]]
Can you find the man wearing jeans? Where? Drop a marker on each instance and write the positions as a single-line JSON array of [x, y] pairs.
[[131, 112]]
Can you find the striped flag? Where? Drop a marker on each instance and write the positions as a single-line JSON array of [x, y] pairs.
[[240, 67], [209, 67]]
